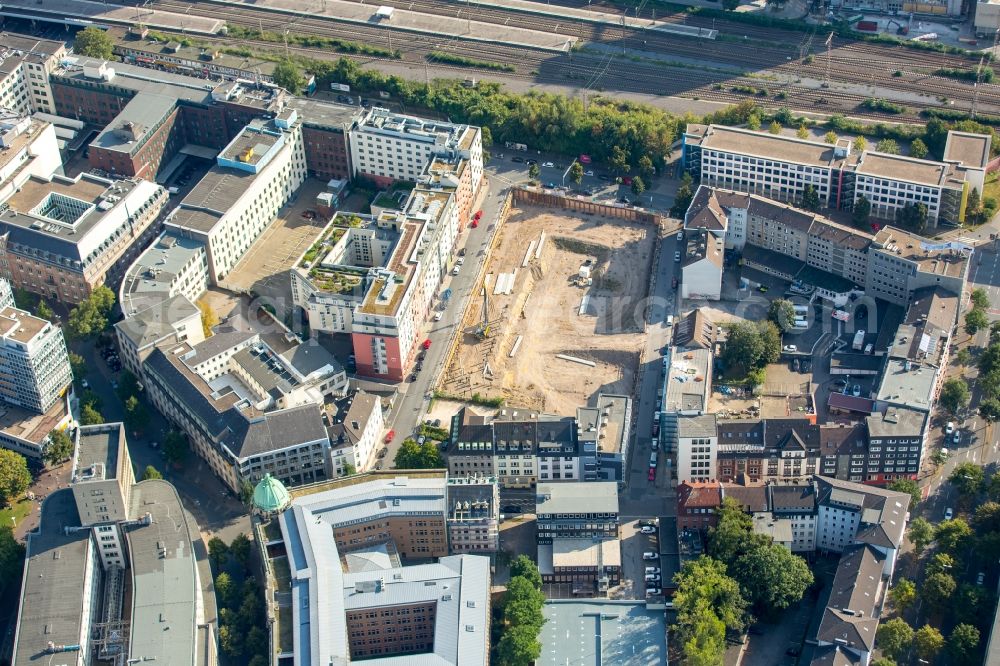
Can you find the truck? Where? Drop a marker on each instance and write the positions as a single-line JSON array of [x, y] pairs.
[[516, 146], [859, 341], [867, 26], [342, 87]]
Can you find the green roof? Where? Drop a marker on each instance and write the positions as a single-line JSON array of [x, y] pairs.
[[270, 495]]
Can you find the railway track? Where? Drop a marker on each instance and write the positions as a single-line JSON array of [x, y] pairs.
[[606, 72]]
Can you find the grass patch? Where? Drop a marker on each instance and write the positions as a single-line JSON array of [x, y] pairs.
[[312, 41], [462, 61], [476, 399], [18, 511], [971, 74], [991, 188]]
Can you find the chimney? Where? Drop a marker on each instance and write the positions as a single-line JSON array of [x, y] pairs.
[[355, 425]]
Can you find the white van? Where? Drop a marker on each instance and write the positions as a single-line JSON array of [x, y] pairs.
[[670, 320], [652, 459]]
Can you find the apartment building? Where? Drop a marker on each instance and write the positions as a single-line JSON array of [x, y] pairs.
[[795, 504], [697, 505], [25, 65], [30, 150], [35, 373], [240, 429], [61, 238], [255, 175], [387, 146], [578, 535], [697, 447], [918, 356], [782, 167], [900, 263], [702, 265], [473, 515], [343, 541], [99, 537], [356, 432]]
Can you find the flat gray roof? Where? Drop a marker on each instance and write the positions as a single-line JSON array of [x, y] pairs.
[[57, 567], [148, 279], [320, 113], [165, 591], [912, 388], [145, 112], [582, 497], [98, 445], [702, 425], [608, 633]]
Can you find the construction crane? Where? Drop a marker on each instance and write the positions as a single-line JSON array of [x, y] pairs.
[[483, 330]]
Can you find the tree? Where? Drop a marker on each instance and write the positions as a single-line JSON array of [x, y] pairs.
[[937, 590], [744, 348], [218, 552], [975, 214], [862, 211], [802, 132], [921, 534], [860, 143], [230, 641], [646, 168], [209, 319], [888, 146], [810, 198], [989, 409], [702, 637], [940, 563], [918, 149], [534, 172], [730, 5], [682, 200], [963, 644], [979, 298], [882, 661], [151, 473], [14, 475], [418, 456], [951, 535], [90, 416], [995, 333], [94, 43], [908, 486], [830, 137], [770, 338], [753, 122], [963, 357], [288, 76], [903, 594], [967, 477], [519, 646], [523, 604], [774, 127], [524, 567], [975, 321], [913, 216], [11, 558], [894, 638], [58, 448], [90, 316], [928, 641], [224, 589], [733, 534], [78, 365], [782, 313], [954, 395], [638, 187], [240, 549], [257, 642], [772, 578], [619, 160], [43, 311], [136, 414], [175, 447], [576, 172], [704, 581], [993, 487]]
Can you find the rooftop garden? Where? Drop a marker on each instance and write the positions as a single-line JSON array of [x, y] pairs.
[[329, 239], [347, 221], [335, 282]]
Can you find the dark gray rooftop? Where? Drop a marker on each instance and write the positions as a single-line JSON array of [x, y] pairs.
[[143, 113], [57, 564], [157, 321], [225, 338], [98, 448]]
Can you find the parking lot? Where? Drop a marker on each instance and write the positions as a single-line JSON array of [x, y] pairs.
[[634, 544], [263, 269]]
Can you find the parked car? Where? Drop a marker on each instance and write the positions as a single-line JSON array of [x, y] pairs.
[[677, 256], [438, 315], [652, 474], [762, 288], [510, 508], [517, 159], [475, 224], [652, 570], [548, 164], [790, 348], [652, 579], [856, 391], [588, 173], [949, 428], [652, 591], [389, 437], [427, 344], [647, 529], [650, 555], [531, 162], [949, 513], [456, 270], [680, 235], [957, 439], [980, 578], [478, 215]]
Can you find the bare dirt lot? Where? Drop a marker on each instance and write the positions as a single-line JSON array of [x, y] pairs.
[[543, 308]]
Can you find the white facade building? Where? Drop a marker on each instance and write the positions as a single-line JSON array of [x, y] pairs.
[[34, 363], [256, 174], [25, 64], [697, 447]]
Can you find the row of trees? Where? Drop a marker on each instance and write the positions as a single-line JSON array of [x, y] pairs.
[[518, 616], [898, 641], [988, 365], [418, 456], [744, 575], [240, 600]]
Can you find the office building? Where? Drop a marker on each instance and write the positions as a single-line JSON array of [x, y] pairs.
[[343, 542], [254, 176], [781, 167], [697, 448], [25, 65], [249, 405], [473, 515], [901, 263], [112, 572], [35, 372], [64, 237]]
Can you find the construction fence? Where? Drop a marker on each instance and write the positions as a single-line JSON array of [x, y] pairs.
[[543, 198]]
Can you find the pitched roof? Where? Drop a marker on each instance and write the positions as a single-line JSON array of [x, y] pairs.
[[695, 330], [850, 403], [883, 511], [702, 494], [751, 498], [791, 498], [850, 617], [835, 655]]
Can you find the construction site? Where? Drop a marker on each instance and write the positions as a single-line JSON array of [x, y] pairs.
[[559, 316]]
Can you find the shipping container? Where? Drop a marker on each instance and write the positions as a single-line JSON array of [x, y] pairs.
[[867, 26]]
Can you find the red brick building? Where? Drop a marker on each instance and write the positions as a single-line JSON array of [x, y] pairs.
[[697, 505]]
